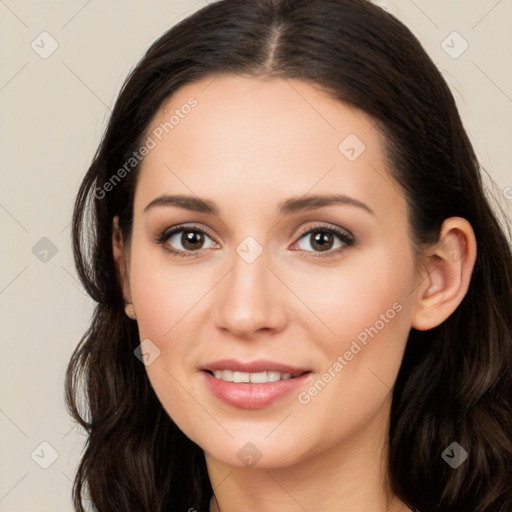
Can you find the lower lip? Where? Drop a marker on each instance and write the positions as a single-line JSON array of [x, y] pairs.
[[252, 396]]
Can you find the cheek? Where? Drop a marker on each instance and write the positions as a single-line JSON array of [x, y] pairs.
[[167, 299], [361, 365], [164, 294], [368, 311], [368, 293]]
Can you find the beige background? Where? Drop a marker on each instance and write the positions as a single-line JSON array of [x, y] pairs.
[[53, 112]]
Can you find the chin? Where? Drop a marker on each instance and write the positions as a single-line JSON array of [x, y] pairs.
[[256, 454]]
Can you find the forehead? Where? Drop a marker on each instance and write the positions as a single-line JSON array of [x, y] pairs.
[[255, 136], [251, 111]]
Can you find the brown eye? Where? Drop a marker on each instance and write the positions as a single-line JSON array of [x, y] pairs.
[[327, 240], [322, 240], [185, 241], [191, 240]]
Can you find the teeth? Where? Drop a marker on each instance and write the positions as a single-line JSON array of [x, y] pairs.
[[256, 378]]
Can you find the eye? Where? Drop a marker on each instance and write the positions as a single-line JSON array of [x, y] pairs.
[[188, 241], [184, 240], [322, 239]]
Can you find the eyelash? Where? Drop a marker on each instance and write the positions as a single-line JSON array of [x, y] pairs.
[[345, 236]]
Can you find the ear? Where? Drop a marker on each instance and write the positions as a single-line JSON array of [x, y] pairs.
[[122, 266], [449, 266]]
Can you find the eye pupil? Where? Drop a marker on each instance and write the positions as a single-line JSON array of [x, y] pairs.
[[322, 240], [189, 238]]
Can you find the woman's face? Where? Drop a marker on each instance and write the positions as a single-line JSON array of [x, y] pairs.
[[248, 284]]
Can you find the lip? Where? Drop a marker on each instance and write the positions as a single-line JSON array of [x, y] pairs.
[[247, 395], [259, 365]]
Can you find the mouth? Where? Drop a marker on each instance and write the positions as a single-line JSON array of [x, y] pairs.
[[259, 371], [255, 384], [263, 377]]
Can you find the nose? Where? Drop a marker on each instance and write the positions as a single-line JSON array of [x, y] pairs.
[[250, 299]]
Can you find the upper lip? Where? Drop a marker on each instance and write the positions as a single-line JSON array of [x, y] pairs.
[[259, 365]]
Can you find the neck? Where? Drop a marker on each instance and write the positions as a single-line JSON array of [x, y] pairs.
[[351, 476]]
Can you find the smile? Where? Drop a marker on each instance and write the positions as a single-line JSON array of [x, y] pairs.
[[255, 378], [253, 390]]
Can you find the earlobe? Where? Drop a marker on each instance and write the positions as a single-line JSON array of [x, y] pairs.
[[129, 310], [448, 267], [121, 267]]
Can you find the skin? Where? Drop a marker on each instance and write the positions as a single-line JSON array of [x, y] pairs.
[[248, 145]]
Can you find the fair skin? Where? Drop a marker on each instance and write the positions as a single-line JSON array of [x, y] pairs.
[[249, 145]]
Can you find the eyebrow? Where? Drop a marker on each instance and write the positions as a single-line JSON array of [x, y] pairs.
[[292, 205]]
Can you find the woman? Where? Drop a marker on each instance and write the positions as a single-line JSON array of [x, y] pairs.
[[303, 294]]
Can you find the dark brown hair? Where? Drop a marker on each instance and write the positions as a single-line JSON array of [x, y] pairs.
[[455, 382]]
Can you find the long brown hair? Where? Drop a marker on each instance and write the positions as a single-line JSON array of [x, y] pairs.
[[455, 382]]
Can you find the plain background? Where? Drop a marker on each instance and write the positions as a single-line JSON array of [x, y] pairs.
[[53, 112]]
